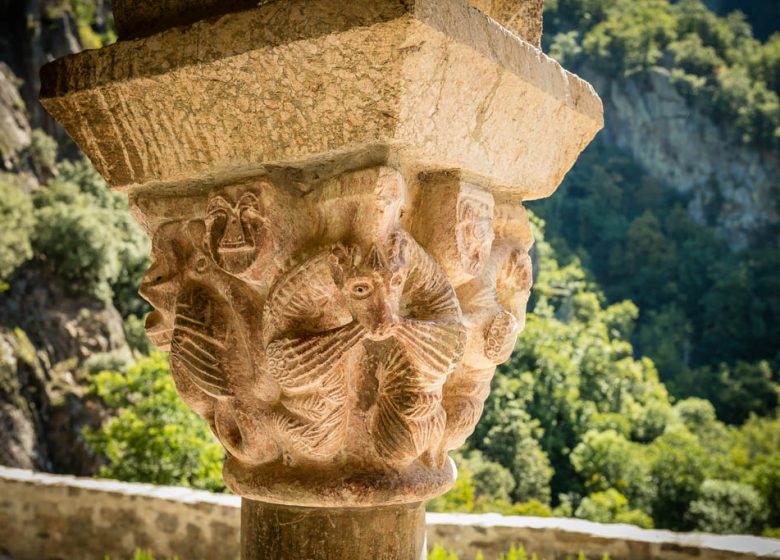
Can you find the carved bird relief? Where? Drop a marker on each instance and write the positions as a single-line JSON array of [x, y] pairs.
[[391, 304]]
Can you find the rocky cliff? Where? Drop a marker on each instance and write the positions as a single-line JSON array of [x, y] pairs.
[[49, 339], [731, 186]]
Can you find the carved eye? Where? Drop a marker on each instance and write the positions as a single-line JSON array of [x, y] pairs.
[[397, 281], [361, 290]]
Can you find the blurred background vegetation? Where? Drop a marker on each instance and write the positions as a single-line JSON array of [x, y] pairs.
[[645, 387]]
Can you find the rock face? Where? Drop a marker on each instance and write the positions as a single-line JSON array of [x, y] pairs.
[[45, 335], [33, 32], [43, 402], [732, 187], [15, 133]]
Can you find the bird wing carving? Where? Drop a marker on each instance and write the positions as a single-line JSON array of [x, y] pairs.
[[407, 419], [313, 409], [194, 345], [306, 363], [434, 347], [305, 298], [428, 294]]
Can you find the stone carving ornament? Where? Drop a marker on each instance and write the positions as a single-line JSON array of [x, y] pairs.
[[333, 190], [339, 339]]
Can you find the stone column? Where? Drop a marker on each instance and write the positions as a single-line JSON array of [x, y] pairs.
[[340, 251]]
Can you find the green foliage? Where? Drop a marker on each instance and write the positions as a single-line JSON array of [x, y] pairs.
[[764, 476], [709, 316], [635, 40], [16, 217], [438, 552], [492, 482], [714, 60], [676, 475], [725, 506], [515, 553], [607, 461], [575, 402], [43, 149], [736, 391], [153, 437], [85, 236], [611, 507], [135, 333], [92, 33]]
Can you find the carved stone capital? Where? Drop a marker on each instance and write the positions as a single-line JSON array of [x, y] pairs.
[[339, 339], [334, 193]]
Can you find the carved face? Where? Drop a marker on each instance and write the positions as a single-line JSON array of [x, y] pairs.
[[475, 233], [372, 288], [514, 281], [171, 248], [236, 231]]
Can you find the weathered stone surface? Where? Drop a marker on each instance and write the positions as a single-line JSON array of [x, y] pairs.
[[319, 83], [139, 19], [339, 339], [340, 251], [45, 338], [15, 133], [731, 187], [48, 517], [521, 17], [383, 533]]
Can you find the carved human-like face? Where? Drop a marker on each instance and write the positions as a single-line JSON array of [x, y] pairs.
[[475, 233], [514, 281], [235, 230]]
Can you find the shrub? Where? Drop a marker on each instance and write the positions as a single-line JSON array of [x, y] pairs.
[[727, 507], [605, 460], [153, 436], [16, 217], [765, 478], [79, 248], [43, 150], [135, 333], [611, 507], [85, 236], [676, 473]]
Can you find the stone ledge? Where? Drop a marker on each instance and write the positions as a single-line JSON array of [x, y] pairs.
[[45, 516], [435, 84]]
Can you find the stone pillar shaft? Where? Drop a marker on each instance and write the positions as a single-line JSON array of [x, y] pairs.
[[340, 250], [273, 532]]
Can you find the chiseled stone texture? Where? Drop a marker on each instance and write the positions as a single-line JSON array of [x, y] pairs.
[[434, 83], [139, 19], [50, 517]]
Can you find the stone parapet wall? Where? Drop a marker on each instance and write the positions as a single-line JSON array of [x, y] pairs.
[[49, 517]]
